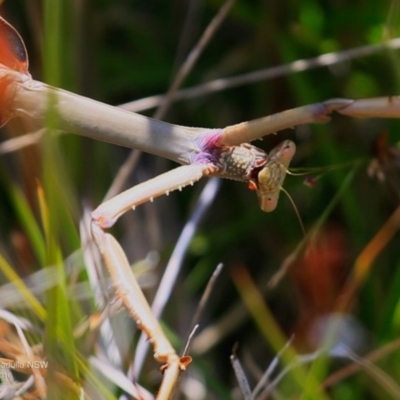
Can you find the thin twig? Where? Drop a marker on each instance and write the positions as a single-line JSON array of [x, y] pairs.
[[20, 142], [116, 376], [300, 360], [339, 351], [189, 341], [192, 58], [39, 379], [240, 375], [265, 74], [20, 324], [271, 368], [381, 377], [123, 174], [352, 369], [206, 294]]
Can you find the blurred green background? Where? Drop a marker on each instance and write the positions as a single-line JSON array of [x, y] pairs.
[[119, 51]]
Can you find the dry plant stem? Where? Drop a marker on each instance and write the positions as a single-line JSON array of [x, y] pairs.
[[360, 363], [349, 370], [214, 333], [221, 84], [189, 340], [20, 142], [206, 295], [19, 325], [240, 375], [174, 265], [193, 57], [123, 174], [382, 378], [269, 371], [39, 380], [119, 378]]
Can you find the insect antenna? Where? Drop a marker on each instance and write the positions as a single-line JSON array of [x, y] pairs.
[[295, 210], [297, 173]]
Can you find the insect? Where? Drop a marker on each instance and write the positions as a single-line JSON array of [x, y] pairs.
[[224, 153]]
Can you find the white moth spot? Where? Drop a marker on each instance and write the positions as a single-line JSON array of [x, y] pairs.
[[133, 208], [151, 199], [167, 192]]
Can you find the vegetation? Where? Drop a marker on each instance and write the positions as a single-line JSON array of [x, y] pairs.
[[339, 283]]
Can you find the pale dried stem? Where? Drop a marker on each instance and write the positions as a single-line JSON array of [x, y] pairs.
[[18, 143], [216, 332], [221, 84], [19, 325], [119, 378], [240, 375], [206, 295], [192, 58], [39, 379], [123, 174], [342, 352], [352, 369], [189, 340], [270, 370]]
